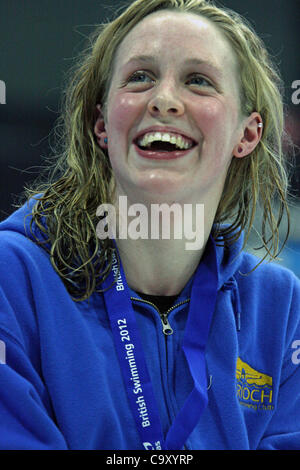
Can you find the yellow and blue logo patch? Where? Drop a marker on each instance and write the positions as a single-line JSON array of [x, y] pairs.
[[254, 389]]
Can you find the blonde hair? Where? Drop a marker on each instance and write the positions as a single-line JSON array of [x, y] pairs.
[[81, 178]]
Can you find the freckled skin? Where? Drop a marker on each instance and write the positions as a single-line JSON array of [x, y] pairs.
[[207, 109]]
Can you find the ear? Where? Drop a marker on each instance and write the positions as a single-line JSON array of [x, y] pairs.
[[252, 133], [99, 128]]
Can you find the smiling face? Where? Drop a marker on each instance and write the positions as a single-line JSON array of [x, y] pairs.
[[174, 70]]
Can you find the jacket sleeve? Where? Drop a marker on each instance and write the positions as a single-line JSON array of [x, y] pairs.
[[283, 431], [25, 412], [27, 419]]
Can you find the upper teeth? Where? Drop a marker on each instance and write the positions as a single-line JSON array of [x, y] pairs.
[[180, 141]]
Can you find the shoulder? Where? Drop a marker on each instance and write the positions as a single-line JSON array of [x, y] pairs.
[[19, 253], [266, 275], [270, 293], [18, 239], [27, 279]]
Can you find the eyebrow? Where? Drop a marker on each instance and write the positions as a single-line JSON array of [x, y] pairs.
[[190, 61]]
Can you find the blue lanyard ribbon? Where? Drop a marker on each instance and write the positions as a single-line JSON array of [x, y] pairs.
[[132, 360]]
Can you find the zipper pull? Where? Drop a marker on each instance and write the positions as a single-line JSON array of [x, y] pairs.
[[167, 329]]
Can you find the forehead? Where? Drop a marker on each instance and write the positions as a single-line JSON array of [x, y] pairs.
[[168, 32]]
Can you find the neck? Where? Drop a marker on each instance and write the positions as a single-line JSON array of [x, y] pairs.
[[162, 265], [157, 267]]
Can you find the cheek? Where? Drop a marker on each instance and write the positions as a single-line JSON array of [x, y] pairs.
[[122, 112], [209, 115], [217, 121]]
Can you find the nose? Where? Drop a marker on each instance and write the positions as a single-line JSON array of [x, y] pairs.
[[166, 102]]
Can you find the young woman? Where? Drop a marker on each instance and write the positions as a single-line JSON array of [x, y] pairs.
[[138, 342]]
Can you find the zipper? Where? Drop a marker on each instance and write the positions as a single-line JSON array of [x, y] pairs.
[[166, 327]]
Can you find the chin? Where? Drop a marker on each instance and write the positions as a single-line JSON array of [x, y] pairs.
[[162, 181]]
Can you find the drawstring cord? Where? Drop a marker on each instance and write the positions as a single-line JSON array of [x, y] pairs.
[[231, 285]]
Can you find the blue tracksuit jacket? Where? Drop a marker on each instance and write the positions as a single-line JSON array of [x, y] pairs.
[[60, 381]]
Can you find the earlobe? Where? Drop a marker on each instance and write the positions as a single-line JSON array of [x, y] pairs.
[[99, 129], [253, 128]]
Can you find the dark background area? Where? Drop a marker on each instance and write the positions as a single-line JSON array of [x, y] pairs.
[[39, 40]]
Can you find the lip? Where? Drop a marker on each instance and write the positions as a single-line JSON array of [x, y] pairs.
[[164, 129], [162, 155]]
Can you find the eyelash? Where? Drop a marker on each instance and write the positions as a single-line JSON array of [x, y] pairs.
[[139, 74]]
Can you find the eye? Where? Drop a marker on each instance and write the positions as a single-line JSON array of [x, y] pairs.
[[200, 81], [139, 77], [142, 77]]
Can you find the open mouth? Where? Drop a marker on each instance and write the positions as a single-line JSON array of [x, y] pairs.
[[162, 150], [159, 146]]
